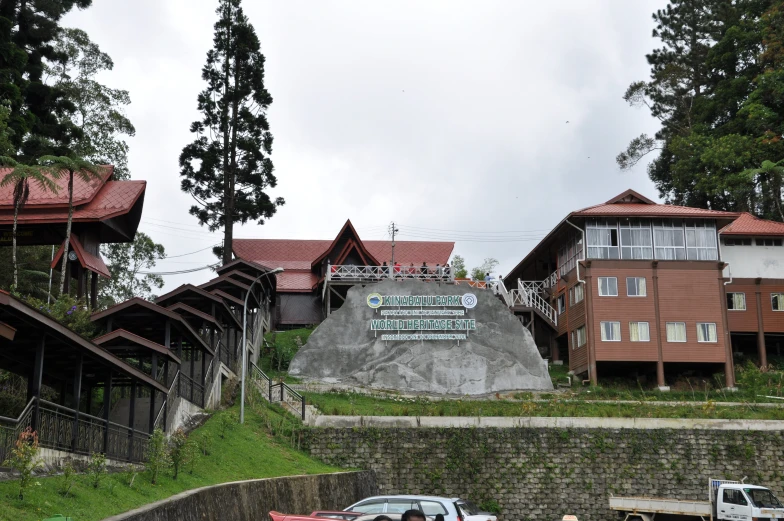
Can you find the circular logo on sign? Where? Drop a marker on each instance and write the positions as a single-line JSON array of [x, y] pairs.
[[374, 300], [469, 301]]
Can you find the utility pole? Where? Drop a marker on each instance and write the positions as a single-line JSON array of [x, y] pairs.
[[392, 231]]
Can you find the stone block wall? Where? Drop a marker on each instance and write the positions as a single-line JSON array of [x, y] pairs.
[[252, 500], [544, 473]]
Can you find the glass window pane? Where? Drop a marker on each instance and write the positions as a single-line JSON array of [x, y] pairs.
[[431, 508]]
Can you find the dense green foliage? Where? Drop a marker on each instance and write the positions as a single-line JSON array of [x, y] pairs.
[[281, 346], [227, 168], [716, 86], [125, 261], [459, 267], [38, 122], [257, 449], [73, 314]]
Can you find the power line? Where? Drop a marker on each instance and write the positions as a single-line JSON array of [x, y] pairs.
[[180, 272], [191, 253]]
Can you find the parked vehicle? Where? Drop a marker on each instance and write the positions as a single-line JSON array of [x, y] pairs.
[[727, 500], [336, 514], [453, 509]]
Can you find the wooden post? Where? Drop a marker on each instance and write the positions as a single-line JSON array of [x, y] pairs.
[[761, 350], [93, 290], [589, 333], [657, 314], [107, 406], [77, 397], [131, 419], [152, 391], [80, 282], [193, 380], [89, 399], [38, 373]]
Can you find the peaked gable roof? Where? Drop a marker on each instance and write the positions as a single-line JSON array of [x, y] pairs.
[[83, 191], [87, 260], [347, 236], [633, 204]]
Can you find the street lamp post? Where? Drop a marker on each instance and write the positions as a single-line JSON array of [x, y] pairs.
[[244, 344]]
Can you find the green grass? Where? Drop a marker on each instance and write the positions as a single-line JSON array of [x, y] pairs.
[[341, 403], [286, 347], [247, 451]]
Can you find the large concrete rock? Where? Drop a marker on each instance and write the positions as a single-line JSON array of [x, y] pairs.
[[499, 355]]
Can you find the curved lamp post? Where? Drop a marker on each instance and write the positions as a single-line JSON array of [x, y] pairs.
[[244, 341]]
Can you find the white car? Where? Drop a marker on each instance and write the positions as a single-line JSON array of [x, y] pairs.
[[453, 509]]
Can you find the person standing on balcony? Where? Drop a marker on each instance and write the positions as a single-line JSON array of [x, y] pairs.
[[384, 271], [488, 280], [397, 270], [447, 270]]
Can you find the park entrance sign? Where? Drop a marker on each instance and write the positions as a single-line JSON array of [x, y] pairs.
[[423, 337]]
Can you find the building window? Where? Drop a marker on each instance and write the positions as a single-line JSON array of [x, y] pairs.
[[706, 332], [668, 238], [768, 242], [676, 331], [636, 239], [568, 253], [736, 301], [611, 331], [701, 241], [777, 301], [601, 236], [561, 303], [608, 287], [579, 335], [736, 242], [576, 294], [635, 287], [639, 332]]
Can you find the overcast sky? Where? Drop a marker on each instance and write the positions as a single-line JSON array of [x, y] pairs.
[[448, 117]]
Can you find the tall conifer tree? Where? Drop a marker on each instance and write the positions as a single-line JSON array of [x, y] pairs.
[[227, 168]]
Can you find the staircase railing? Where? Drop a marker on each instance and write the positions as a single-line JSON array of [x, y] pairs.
[[278, 392], [11, 427], [527, 297]]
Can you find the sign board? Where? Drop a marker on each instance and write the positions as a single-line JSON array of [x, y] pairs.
[[421, 320]]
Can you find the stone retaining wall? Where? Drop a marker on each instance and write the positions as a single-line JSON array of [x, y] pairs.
[[544, 473], [253, 499]]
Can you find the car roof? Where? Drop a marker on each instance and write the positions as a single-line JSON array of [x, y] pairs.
[[411, 496]]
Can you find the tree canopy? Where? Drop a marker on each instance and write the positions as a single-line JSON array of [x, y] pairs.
[[227, 168]]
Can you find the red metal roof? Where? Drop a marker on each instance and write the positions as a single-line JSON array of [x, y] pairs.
[[748, 224], [649, 210], [87, 260], [115, 198], [83, 193], [296, 256]]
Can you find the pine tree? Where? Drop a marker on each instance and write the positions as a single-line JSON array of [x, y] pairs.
[[227, 167], [27, 29]]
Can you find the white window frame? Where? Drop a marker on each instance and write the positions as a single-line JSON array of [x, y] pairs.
[[577, 288], [780, 299], [715, 333], [647, 326], [644, 286], [685, 333], [599, 279], [560, 307], [581, 336], [744, 301], [602, 330]]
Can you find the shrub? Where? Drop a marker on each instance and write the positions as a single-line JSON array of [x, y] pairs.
[[68, 479], [490, 505], [204, 443], [157, 455], [225, 423], [181, 450], [24, 458], [73, 314], [96, 468]]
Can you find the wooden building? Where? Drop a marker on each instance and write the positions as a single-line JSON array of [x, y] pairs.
[[318, 273], [105, 211]]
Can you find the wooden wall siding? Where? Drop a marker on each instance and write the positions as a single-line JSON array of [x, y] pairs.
[[299, 308], [624, 309], [571, 319], [691, 296], [746, 321]]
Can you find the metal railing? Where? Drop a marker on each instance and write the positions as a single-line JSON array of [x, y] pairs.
[[277, 392], [351, 273], [172, 401], [191, 390], [526, 297], [11, 427]]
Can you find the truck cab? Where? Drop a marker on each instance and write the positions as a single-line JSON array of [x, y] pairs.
[[740, 502]]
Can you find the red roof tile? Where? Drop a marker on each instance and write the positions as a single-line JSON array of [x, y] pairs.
[[649, 210], [115, 198], [84, 191], [748, 224], [294, 281], [86, 259]]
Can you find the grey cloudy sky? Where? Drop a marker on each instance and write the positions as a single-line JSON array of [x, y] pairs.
[[448, 117]]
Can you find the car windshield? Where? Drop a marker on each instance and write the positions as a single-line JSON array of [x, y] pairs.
[[469, 508], [762, 498]]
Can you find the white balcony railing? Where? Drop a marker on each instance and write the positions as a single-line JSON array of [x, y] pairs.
[[351, 273], [526, 296]]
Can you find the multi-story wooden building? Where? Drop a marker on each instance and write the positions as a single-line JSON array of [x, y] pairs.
[[635, 286]]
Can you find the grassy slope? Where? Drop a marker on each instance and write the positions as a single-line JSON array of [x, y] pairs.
[[287, 341], [246, 452]]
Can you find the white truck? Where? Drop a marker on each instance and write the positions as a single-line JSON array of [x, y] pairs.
[[727, 500]]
